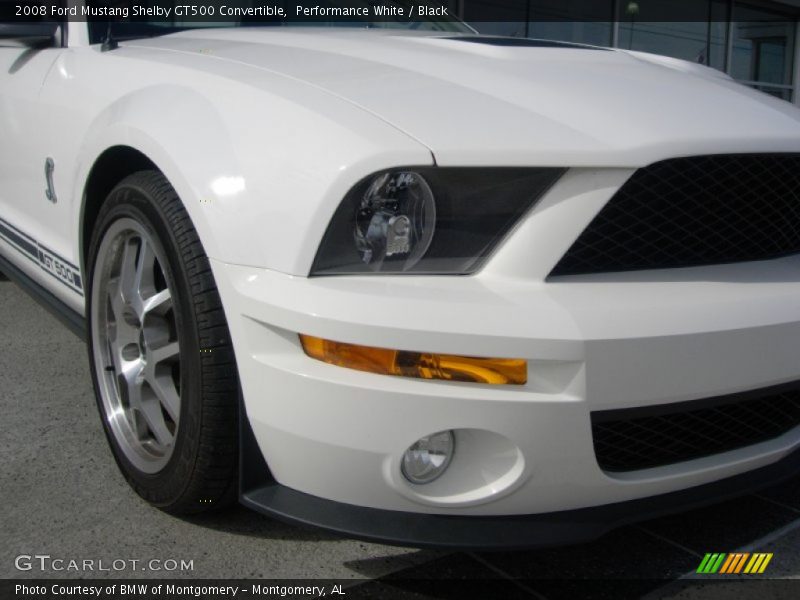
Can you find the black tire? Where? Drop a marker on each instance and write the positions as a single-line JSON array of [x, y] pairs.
[[201, 469]]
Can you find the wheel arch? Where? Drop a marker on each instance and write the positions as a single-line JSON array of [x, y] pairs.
[[111, 167], [138, 133]]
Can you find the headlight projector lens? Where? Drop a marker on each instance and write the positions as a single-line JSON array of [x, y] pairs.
[[428, 458], [395, 220]]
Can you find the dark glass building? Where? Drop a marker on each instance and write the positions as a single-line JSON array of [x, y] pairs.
[[754, 41]]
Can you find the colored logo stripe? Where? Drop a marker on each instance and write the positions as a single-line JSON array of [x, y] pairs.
[[758, 564], [734, 563], [711, 563]]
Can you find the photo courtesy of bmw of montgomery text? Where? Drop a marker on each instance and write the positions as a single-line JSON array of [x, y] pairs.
[[411, 283]]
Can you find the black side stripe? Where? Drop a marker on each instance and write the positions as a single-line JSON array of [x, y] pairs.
[[50, 262], [22, 242]]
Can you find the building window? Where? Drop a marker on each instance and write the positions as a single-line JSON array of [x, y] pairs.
[[561, 20], [752, 40], [572, 21], [677, 28], [763, 50]]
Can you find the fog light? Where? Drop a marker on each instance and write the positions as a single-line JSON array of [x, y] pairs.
[[429, 457]]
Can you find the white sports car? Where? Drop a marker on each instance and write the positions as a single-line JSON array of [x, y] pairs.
[[411, 284]]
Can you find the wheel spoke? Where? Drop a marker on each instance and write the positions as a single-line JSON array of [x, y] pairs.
[[164, 389], [111, 325], [116, 299], [129, 374], [150, 409], [159, 303], [123, 332], [127, 271], [145, 265], [163, 353], [114, 363]]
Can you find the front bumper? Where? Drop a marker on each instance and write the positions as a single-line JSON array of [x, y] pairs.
[[334, 437], [482, 533], [591, 345]]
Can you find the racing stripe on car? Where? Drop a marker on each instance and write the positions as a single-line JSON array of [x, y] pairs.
[[50, 262], [23, 243]]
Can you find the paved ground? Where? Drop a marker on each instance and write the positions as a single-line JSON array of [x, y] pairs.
[[62, 495]]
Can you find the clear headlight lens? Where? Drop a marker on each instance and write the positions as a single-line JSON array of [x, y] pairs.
[[395, 220], [428, 458], [433, 220]]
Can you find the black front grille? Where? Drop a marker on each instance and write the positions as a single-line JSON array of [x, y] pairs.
[[640, 438], [694, 211]]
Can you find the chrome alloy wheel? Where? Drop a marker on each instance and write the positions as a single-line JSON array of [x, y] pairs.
[[136, 349]]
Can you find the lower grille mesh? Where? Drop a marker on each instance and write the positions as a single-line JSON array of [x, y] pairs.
[[633, 439]]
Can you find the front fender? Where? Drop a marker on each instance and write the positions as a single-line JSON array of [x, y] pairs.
[[260, 176]]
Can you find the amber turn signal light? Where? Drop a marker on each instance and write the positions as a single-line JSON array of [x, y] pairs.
[[495, 371]]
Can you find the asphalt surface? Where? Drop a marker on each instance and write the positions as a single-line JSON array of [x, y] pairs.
[[62, 495]]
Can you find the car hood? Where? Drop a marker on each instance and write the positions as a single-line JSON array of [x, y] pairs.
[[481, 100]]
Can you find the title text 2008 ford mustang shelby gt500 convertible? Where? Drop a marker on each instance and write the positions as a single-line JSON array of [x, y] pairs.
[[413, 285]]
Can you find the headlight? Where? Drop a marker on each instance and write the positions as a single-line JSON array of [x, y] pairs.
[[395, 220], [432, 220]]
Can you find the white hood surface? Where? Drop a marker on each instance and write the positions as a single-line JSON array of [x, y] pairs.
[[479, 102]]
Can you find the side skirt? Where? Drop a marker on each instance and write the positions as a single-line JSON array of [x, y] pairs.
[[73, 320]]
